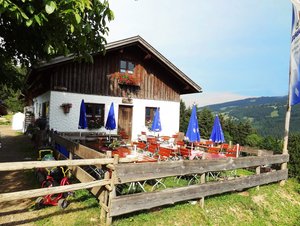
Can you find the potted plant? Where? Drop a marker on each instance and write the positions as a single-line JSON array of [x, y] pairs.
[[126, 79], [66, 107]]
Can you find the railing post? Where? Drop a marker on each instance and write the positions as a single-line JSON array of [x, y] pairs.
[[258, 168], [112, 193], [202, 181], [103, 199]]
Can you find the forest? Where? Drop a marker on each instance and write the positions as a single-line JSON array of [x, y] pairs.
[[241, 131]]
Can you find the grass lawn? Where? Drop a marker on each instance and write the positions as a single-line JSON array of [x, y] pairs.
[[270, 205]]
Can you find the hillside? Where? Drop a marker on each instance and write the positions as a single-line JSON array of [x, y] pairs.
[[266, 114]]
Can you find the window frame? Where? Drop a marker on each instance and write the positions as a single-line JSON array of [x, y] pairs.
[[93, 115], [149, 117], [124, 66]]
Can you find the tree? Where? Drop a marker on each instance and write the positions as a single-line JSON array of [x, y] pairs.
[[34, 31], [253, 140], [31, 31], [294, 152], [185, 115], [206, 121]]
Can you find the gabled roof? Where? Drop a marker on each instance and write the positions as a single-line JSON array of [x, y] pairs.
[[139, 40], [136, 40]]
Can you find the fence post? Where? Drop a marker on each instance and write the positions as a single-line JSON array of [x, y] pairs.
[[112, 193], [202, 181], [257, 170], [103, 198]]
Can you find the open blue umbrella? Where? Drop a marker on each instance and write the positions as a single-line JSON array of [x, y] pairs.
[[156, 125], [217, 134], [193, 132], [82, 116], [111, 121]]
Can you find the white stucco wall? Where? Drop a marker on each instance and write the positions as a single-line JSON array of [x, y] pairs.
[[58, 120]]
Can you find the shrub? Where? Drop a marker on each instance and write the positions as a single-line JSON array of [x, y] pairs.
[[294, 151]]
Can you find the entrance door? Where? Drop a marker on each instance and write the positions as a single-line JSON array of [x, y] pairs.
[[125, 121]]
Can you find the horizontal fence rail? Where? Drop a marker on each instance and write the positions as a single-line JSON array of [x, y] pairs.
[[147, 200], [12, 166], [145, 171], [51, 190]]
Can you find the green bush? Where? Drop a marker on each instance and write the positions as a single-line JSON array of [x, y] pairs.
[[294, 151], [6, 120]]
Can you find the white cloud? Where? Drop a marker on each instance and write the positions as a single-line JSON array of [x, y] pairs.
[[209, 98]]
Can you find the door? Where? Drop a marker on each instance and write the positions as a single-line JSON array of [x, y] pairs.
[[125, 121]]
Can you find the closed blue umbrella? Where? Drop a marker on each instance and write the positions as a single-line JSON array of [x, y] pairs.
[[111, 121], [217, 134], [82, 116], [193, 132], [156, 125]]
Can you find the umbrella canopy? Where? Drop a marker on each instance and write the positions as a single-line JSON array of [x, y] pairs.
[[111, 122], [82, 116], [193, 132], [156, 125], [217, 134]]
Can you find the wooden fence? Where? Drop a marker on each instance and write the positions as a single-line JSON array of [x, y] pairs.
[[125, 171]]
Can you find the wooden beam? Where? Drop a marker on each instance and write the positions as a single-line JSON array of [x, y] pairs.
[[78, 149], [253, 151], [144, 171], [51, 190], [12, 166], [147, 200], [83, 176]]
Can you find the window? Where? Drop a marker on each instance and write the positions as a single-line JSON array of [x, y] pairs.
[[45, 110], [94, 115], [150, 111], [126, 66]]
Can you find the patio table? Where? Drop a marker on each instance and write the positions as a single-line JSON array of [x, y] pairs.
[[213, 155]]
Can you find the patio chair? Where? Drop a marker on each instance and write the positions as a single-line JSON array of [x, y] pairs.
[[164, 154], [153, 148], [141, 145], [184, 153], [213, 150], [224, 147], [209, 143]]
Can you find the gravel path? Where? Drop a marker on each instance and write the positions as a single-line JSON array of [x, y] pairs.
[[15, 147]]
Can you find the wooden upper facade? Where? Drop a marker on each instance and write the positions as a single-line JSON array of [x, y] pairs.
[[156, 78]]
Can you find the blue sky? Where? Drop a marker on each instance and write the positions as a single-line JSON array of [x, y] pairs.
[[233, 49]]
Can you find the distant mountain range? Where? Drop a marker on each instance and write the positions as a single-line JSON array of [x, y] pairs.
[[266, 114]]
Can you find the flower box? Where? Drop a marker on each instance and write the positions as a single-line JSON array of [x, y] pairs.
[[66, 107], [126, 79]]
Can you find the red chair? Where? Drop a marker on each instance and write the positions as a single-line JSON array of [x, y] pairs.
[[184, 152], [214, 150], [151, 140], [209, 143], [141, 145], [153, 148], [180, 143], [122, 152], [224, 148], [233, 152], [164, 154]]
